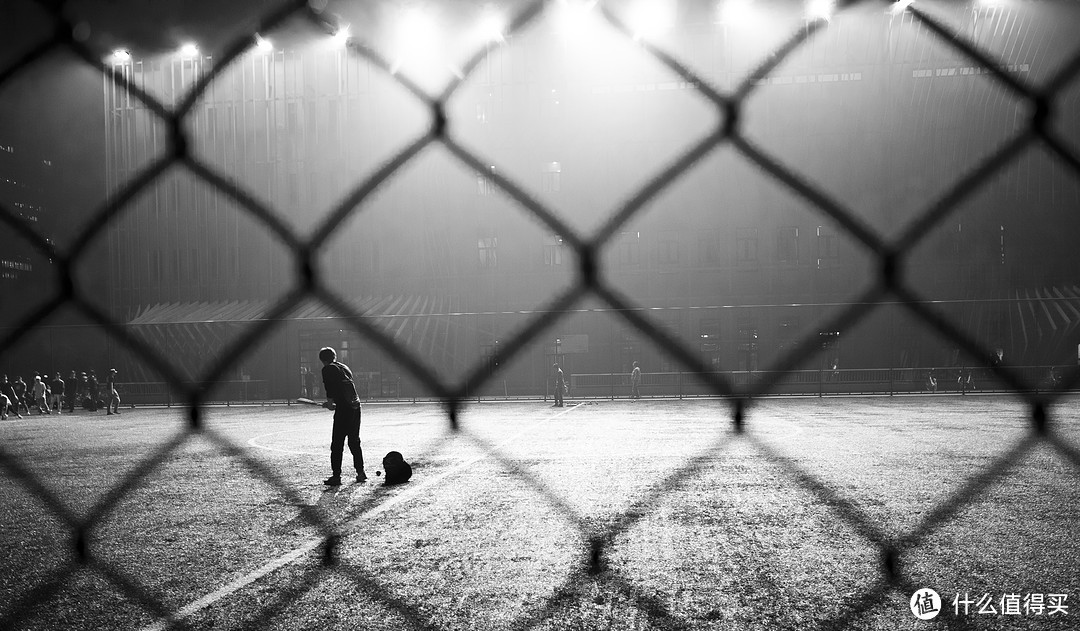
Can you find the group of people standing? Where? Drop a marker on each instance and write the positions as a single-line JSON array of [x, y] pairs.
[[964, 380], [49, 394]]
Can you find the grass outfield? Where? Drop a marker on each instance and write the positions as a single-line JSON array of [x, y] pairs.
[[603, 515]]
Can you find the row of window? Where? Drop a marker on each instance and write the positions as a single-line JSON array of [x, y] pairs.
[[28, 208], [744, 338], [669, 249], [19, 266]]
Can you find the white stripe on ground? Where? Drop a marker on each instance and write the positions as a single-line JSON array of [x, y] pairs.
[[254, 442], [313, 543]]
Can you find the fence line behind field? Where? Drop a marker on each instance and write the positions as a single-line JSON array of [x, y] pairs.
[[843, 381]]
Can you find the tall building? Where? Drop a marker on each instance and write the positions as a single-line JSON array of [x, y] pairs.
[[874, 113], [27, 185]]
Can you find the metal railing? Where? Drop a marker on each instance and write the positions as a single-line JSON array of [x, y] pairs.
[[882, 381]]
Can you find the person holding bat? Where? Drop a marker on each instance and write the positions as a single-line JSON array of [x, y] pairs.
[[342, 399]]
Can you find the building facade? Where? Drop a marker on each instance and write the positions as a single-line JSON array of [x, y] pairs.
[[725, 258], [25, 183]]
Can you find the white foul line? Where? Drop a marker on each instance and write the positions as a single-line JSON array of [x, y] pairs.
[[314, 542], [254, 442]]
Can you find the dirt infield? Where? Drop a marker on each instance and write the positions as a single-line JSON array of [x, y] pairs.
[[609, 514]]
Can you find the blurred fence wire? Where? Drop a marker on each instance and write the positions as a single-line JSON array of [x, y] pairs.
[[889, 256]]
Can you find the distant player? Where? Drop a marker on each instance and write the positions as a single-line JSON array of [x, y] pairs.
[[7, 389], [113, 406], [39, 389], [635, 382], [92, 391], [560, 385], [22, 395], [309, 384], [342, 399], [84, 390], [71, 391], [56, 398]]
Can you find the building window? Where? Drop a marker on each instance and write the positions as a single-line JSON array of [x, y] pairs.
[[553, 250], [710, 342], [828, 254], [670, 322], [552, 178], [710, 334], [484, 184], [489, 354], [746, 247], [787, 334], [629, 351], [747, 342], [489, 256], [709, 248], [787, 245], [667, 248]]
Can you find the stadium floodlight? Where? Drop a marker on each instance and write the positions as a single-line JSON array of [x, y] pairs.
[[189, 50], [820, 9], [491, 26], [341, 35], [900, 6], [121, 55], [262, 44], [417, 45], [648, 19]]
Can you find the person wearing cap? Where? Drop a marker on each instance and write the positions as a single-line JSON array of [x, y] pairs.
[[84, 390], [113, 406], [38, 389]]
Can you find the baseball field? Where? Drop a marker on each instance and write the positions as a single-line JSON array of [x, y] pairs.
[[813, 513]]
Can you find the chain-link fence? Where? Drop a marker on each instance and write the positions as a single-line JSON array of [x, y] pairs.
[[889, 258]]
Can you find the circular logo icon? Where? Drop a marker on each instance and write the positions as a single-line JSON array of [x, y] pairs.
[[925, 604]]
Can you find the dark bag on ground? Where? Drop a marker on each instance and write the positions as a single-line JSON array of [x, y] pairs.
[[397, 470]]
